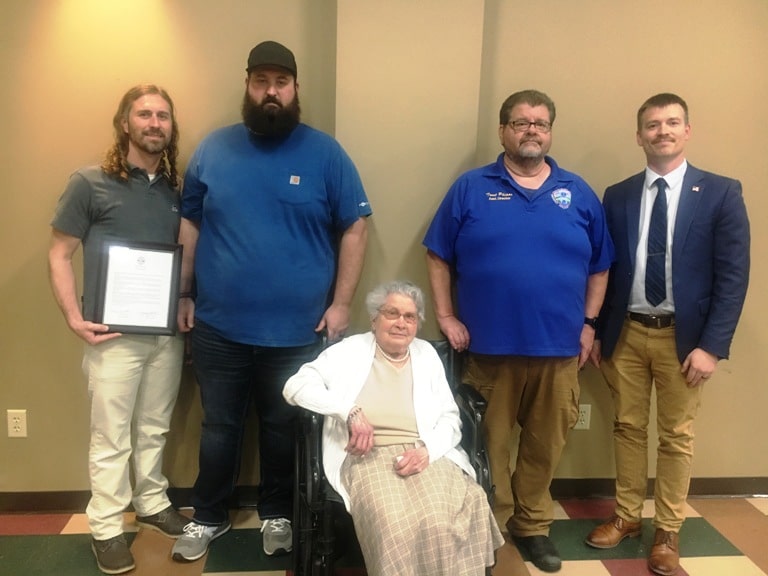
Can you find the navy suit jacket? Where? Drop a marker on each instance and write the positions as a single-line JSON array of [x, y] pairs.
[[710, 260]]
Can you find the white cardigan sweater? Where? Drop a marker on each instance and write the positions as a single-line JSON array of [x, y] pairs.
[[330, 384]]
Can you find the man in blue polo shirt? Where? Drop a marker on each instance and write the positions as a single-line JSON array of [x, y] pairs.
[[274, 233], [526, 245]]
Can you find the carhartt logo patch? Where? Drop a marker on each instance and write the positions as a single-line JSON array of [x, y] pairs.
[[295, 180]]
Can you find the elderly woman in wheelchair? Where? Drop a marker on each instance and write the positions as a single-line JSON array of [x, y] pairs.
[[391, 445]]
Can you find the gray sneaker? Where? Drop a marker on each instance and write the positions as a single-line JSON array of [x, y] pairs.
[[278, 536], [167, 521], [113, 555], [194, 543]]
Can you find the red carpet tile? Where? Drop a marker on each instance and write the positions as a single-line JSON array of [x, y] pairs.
[[635, 567], [30, 524], [588, 509]]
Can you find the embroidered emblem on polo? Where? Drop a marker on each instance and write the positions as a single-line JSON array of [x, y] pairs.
[[562, 197], [294, 180], [496, 196]]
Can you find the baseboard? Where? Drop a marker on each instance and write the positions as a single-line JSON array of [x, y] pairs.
[[562, 488], [246, 496], [76, 500]]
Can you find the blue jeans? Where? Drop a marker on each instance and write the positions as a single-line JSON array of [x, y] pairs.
[[229, 373]]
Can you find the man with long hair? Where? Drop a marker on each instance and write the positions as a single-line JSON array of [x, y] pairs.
[[133, 379], [274, 232]]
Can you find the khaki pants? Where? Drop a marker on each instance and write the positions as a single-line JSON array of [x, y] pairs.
[[647, 357], [133, 382], [542, 395]]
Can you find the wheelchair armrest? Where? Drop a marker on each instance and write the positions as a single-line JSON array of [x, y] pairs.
[[472, 408], [472, 399], [310, 429], [309, 454]]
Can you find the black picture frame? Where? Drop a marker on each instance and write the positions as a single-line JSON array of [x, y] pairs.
[[137, 289]]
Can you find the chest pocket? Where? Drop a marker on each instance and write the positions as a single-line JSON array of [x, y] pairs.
[[296, 188]]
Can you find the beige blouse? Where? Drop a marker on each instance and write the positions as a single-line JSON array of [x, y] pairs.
[[387, 400]]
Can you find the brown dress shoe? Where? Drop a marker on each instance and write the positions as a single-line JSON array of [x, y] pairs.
[[612, 532], [665, 557]]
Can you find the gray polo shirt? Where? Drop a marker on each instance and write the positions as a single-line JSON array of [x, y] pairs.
[[98, 208]]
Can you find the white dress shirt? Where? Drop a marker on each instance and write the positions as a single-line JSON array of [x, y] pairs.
[[674, 179]]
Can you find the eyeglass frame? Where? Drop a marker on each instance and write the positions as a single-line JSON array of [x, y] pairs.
[[521, 126], [393, 314]]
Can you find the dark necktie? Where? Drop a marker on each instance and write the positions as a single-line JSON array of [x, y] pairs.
[[655, 276]]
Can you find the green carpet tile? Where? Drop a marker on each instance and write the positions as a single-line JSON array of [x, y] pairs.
[[241, 551], [698, 538], [64, 555]]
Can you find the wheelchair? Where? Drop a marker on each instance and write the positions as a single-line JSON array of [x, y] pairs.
[[320, 521]]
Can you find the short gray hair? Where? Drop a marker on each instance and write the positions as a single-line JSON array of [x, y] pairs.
[[376, 297]]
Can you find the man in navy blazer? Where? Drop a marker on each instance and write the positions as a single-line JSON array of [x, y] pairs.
[[669, 315]]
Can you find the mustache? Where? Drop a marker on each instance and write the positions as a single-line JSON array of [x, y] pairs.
[[153, 132], [271, 100]]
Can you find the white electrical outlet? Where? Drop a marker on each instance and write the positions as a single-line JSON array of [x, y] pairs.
[[17, 423], [585, 412]]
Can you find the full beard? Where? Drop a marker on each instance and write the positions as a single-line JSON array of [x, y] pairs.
[[272, 122]]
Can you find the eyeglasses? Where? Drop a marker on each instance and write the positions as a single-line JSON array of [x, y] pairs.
[[394, 314], [523, 125]]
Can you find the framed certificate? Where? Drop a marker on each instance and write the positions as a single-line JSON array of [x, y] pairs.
[[138, 287]]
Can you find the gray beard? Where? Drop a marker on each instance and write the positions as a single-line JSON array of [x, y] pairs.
[[531, 153]]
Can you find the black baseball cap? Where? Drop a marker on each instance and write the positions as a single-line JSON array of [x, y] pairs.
[[270, 53]]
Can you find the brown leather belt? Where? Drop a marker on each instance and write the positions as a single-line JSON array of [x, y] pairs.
[[652, 320]]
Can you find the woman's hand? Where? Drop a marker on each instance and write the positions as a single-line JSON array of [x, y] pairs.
[[412, 461], [360, 433]]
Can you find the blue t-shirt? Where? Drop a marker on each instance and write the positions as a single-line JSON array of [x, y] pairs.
[[521, 258], [270, 214]]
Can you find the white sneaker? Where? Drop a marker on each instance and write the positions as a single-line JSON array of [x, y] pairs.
[[193, 544], [278, 536]]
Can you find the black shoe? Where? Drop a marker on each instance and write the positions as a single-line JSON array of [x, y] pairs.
[[541, 551]]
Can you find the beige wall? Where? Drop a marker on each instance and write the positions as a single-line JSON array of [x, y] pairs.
[[412, 90]]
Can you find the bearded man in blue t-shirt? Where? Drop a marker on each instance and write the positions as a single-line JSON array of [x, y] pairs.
[[274, 233]]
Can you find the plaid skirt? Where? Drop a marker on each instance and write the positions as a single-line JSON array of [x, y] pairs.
[[435, 523]]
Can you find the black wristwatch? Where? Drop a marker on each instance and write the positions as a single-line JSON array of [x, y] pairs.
[[591, 322]]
